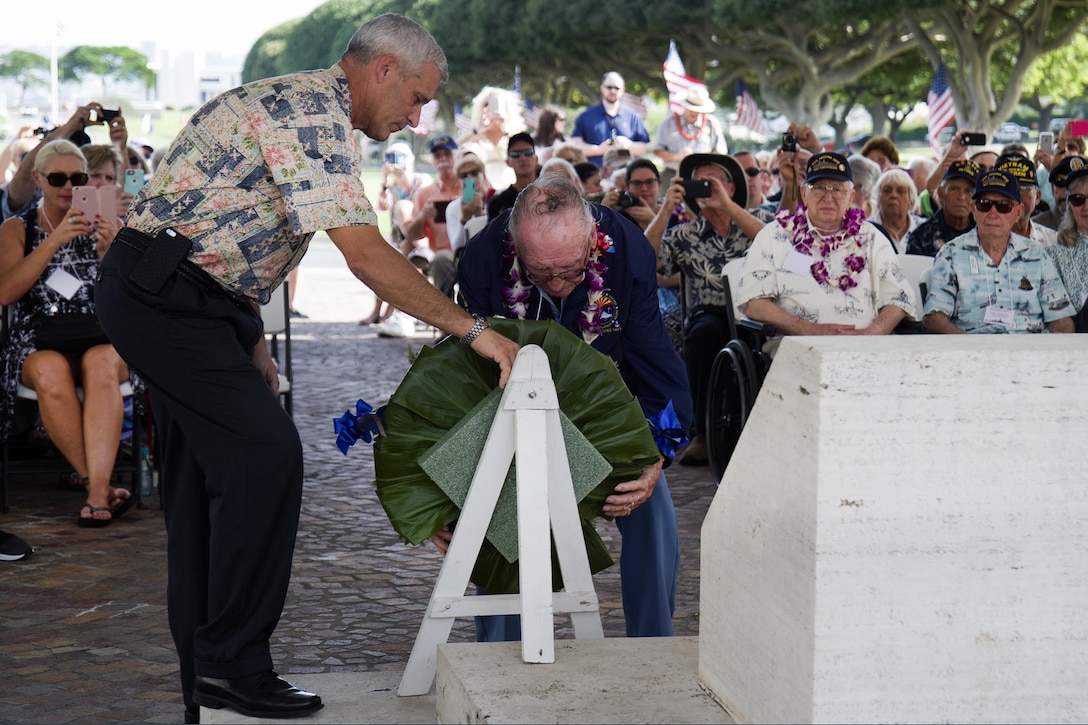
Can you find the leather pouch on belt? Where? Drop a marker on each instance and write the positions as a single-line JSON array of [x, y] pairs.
[[161, 259]]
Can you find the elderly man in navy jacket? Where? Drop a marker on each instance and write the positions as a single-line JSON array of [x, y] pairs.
[[557, 257]]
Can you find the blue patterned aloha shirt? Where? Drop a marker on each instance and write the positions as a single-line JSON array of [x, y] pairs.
[[965, 283], [1072, 264], [252, 176]]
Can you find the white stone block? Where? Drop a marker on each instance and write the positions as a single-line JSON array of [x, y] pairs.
[[900, 535]]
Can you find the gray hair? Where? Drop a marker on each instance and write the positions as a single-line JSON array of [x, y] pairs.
[[898, 177], [561, 167], [60, 147], [551, 197], [866, 172], [399, 36], [1067, 227]]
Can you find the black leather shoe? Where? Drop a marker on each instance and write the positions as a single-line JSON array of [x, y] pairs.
[[264, 694]]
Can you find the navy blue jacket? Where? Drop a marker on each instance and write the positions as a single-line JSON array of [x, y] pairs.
[[634, 331]]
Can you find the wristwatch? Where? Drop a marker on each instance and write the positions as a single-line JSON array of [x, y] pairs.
[[477, 328]]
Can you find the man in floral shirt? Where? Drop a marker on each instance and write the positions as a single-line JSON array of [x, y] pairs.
[[823, 270], [699, 249], [255, 173]]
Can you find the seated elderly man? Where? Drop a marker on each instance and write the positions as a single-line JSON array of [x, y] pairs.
[[952, 219], [824, 270], [1023, 169], [992, 279]]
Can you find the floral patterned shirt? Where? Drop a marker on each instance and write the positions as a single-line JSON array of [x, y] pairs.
[[252, 176], [769, 273], [1072, 264], [698, 251], [1024, 290]]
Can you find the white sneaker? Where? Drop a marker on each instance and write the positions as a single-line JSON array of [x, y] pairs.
[[398, 325]]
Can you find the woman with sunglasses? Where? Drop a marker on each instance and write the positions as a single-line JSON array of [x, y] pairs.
[[48, 262], [1070, 254]]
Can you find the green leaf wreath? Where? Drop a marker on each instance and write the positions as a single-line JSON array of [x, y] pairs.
[[447, 381]]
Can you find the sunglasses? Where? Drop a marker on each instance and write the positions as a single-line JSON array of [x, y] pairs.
[[466, 174], [1003, 206], [752, 172], [1076, 199], [523, 152], [57, 179]]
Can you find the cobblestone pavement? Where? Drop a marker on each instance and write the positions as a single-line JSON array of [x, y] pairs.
[[83, 626]]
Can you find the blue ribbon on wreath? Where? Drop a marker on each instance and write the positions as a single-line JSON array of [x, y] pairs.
[[365, 423], [668, 433]]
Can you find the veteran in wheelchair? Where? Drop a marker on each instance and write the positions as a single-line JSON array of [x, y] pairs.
[[818, 270]]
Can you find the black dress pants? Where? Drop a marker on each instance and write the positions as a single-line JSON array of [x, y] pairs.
[[232, 465]]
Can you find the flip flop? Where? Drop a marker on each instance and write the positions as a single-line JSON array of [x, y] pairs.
[[91, 522], [119, 510]]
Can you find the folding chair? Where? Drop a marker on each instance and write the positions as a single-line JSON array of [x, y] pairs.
[[276, 316]]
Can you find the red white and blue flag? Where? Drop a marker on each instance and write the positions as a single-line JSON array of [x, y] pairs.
[[677, 81], [461, 122], [942, 109], [748, 113]]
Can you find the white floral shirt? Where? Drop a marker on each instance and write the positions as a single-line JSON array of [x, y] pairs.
[[255, 172], [767, 274]]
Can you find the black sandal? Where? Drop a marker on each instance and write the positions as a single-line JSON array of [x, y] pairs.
[[90, 522]]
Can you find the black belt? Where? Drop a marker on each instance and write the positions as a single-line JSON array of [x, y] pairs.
[[186, 269]]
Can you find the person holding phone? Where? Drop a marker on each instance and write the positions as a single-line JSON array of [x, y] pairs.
[[49, 258], [429, 221], [715, 188], [476, 191]]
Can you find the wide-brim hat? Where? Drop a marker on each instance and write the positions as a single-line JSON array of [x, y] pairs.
[[697, 99], [731, 166]]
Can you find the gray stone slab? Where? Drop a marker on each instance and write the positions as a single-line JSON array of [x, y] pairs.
[[349, 697], [619, 680]]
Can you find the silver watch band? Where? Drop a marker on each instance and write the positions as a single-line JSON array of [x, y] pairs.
[[477, 328]]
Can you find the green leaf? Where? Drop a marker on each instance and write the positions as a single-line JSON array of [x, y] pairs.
[[447, 381]]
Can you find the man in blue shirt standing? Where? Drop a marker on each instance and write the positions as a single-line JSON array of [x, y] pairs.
[[610, 125]]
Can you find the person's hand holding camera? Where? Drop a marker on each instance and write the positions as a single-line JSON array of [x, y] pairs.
[[806, 137], [674, 196], [119, 131]]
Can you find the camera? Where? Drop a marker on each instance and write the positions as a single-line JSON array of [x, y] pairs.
[[107, 115], [627, 200], [973, 139], [696, 189], [789, 143]]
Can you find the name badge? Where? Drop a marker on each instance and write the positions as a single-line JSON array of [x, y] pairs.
[[64, 283], [999, 316], [798, 263]]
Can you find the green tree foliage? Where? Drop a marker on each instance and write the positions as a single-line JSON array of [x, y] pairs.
[[1057, 78], [266, 59], [974, 36], [116, 62], [28, 69]]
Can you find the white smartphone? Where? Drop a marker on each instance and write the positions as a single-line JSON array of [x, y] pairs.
[[493, 105], [1046, 142]]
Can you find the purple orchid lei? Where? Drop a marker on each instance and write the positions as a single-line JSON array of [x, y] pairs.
[[516, 293], [805, 242]]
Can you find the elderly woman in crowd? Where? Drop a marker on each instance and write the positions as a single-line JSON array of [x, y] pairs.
[[48, 261], [1070, 254], [896, 199]]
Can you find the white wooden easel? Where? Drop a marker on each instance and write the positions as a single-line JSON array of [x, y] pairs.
[[526, 424]]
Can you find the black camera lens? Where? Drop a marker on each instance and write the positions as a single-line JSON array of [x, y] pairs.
[[627, 200]]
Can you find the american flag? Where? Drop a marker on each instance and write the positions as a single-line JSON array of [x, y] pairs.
[[677, 81], [942, 109], [748, 113], [427, 114], [461, 121], [532, 114]]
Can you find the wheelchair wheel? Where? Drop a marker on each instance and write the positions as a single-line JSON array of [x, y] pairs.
[[730, 394]]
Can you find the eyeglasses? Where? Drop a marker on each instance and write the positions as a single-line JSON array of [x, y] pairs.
[[57, 179], [574, 275], [466, 174], [752, 172], [822, 191], [1076, 199], [642, 183], [523, 152], [1003, 206]]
